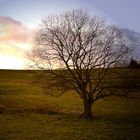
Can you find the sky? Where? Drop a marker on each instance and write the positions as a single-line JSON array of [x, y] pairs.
[[20, 18]]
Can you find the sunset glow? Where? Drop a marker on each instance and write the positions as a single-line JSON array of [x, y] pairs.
[[11, 62], [15, 41]]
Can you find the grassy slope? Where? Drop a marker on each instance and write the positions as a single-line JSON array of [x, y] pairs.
[[26, 113]]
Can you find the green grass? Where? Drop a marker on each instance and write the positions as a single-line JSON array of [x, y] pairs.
[[27, 114]]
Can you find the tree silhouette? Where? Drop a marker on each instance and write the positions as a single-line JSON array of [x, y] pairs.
[[133, 64], [77, 51]]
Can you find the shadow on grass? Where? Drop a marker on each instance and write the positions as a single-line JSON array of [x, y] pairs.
[[113, 118], [48, 111]]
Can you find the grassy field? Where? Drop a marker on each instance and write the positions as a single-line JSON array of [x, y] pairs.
[[27, 114]]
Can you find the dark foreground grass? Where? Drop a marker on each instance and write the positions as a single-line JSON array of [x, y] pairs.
[[35, 126], [27, 114]]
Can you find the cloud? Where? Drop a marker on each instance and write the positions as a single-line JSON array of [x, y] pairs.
[[15, 39], [13, 30]]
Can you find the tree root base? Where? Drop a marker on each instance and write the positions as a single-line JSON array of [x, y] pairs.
[[86, 116]]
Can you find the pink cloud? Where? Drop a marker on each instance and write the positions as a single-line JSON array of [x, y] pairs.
[[15, 40], [13, 30]]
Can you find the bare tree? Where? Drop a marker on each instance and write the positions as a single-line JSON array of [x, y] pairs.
[[77, 51]]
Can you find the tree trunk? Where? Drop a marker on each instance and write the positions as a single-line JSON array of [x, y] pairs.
[[87, 110]]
